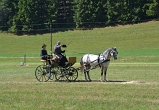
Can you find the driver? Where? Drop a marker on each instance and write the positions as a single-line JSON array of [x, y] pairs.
[[58, 52]]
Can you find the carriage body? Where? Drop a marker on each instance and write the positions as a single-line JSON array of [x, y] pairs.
[[61, 73], [72, 60]]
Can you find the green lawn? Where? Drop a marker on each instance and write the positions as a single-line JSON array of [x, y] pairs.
[[131, 40], [130, 86], [132, 79]]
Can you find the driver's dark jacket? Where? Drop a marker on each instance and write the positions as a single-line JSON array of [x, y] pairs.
[[57, 49]]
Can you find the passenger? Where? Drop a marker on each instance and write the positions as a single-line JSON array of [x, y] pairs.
[[59, 53], [44, 55]]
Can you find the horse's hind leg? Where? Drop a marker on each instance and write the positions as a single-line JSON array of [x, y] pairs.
[[88, 76], [85, 75]]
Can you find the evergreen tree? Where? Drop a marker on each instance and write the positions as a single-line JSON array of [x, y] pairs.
[[7, 11], [34, 15]]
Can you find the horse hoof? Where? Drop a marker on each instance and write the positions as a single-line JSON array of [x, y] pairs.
[[103, 80]]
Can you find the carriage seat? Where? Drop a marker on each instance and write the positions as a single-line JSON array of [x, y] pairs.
[[43, 60], [55, 57]]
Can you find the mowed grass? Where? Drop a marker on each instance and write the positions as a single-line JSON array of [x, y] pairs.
[[129, 86], [132, 79], [139, 40]]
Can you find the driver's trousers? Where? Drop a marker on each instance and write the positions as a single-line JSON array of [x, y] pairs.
[[63, 59]]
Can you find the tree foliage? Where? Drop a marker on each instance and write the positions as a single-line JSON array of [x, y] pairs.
[[112, 12], [36, 15]]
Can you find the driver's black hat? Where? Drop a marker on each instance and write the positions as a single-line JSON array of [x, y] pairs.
[[43, 45]]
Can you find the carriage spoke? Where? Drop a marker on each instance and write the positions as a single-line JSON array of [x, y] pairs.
[[72, 74], [53, 72], [41, 73], [60, 75]]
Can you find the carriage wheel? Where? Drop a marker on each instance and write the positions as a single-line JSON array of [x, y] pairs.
[[61, 74], [54, 71], [72, 74], [42, 74]]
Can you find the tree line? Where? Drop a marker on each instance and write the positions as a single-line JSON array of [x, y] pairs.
[[28, 16]]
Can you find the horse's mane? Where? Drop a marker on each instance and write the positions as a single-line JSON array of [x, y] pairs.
[[107, 51]]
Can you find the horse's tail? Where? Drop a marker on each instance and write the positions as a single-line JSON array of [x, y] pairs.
[[81, 64]]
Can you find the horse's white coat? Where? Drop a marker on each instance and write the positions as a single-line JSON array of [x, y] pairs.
[[91, 61]]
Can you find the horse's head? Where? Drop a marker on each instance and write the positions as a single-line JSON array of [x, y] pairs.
[[114, 53]]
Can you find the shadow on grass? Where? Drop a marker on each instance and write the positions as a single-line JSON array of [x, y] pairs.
[[109, 81], [99, 81]]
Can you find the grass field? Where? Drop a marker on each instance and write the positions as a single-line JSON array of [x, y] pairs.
[[132, 79]]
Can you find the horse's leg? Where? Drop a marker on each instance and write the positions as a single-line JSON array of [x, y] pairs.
[[105, 72], [85, 75], [88, 76], [101, 77]]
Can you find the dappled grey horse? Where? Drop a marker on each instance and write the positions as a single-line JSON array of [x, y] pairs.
[[91, 61]]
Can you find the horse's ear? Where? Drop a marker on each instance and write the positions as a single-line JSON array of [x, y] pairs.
[[114, 48]]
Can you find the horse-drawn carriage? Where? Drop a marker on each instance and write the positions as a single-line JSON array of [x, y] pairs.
[[68, 73], [46, 72]]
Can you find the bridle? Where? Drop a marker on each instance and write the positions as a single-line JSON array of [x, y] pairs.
[[114, 53]]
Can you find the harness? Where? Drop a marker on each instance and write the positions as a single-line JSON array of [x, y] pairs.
[[98, 59], [104, 60]]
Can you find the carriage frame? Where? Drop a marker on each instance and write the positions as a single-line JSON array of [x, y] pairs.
[[46, 72]]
